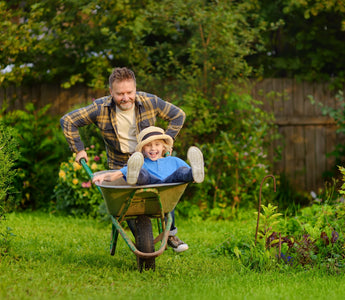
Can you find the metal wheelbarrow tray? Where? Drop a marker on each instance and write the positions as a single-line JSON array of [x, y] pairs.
[[140, 204]]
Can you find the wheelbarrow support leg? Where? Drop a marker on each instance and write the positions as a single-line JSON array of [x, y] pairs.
[[114, 236], [132, 247]]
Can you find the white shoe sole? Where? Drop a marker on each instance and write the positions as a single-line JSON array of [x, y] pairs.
[[181, 248], [196, 160], [134, 165]]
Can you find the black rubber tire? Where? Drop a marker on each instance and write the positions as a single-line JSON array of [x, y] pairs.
[[144, 242]]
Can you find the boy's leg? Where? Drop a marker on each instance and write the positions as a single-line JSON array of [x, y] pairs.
[[134, 164], [182, 174], [146, 178], [196, 160]]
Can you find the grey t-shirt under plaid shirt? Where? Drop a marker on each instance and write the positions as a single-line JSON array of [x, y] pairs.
[[102, 113]]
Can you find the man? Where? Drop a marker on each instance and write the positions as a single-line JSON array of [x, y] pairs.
[[120, 117]]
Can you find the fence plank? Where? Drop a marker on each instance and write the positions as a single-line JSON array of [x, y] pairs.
[[320, 151], [299, 157], [298, 103], [310, 157]]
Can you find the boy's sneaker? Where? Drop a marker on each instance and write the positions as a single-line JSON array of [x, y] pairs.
[[196, 160], [134, 165], [177, 245]]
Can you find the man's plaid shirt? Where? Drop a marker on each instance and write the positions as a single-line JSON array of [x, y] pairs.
[[102, 113]]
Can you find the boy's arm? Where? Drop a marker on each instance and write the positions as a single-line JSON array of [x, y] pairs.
[[108, 176]]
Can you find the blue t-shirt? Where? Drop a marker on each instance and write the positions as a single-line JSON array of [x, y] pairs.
[[161, 168]]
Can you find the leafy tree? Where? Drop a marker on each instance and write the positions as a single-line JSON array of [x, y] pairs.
[[304, 40], [68, 41], [80, 41]]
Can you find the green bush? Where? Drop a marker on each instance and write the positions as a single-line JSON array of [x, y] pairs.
[[74, 193], [42, 146], [9, 154], [233, 133]]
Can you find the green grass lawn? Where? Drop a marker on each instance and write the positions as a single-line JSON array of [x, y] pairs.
[[55, 257]]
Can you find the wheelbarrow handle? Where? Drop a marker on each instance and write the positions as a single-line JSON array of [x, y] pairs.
[[88, 171], [86, 167]]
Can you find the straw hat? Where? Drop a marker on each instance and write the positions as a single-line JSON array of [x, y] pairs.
[[150, 134]]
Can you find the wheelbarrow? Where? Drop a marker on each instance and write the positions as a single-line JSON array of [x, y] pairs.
[[140, 204]]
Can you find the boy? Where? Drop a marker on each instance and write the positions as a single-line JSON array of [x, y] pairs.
[[155, 168]]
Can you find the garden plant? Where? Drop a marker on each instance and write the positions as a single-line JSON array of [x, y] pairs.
[[42, 148], [313, 238], [8, 156], [74, 193]]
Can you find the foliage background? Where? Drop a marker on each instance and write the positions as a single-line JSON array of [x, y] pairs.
[[81, 41], [196, 54]]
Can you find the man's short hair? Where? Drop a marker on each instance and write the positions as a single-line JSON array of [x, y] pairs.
[[121, 74]]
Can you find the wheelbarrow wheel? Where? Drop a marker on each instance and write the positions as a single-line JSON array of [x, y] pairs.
[[145, 242]]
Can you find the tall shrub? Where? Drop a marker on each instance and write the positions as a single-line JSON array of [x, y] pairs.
[[42, 148], [9, 154], [234, 138]]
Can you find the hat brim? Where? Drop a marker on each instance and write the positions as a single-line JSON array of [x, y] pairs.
[[167, 138]]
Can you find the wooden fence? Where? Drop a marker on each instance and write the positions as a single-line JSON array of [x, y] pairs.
[[61, 100], [307, 136]]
